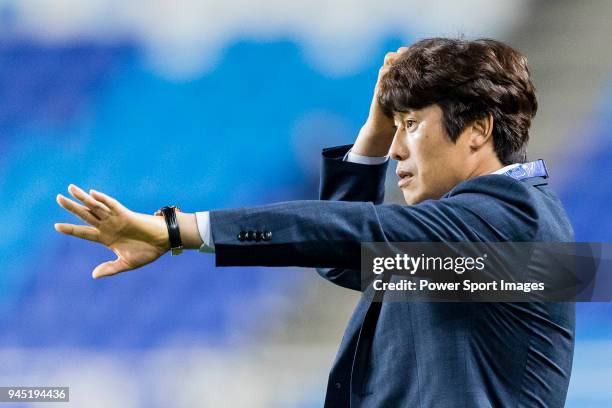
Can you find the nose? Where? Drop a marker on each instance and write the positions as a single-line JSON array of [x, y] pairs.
[[399, 148]]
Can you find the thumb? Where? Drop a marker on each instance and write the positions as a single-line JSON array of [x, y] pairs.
[[110, 268]]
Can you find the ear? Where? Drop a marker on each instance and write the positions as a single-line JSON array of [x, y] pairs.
[[482, 132]]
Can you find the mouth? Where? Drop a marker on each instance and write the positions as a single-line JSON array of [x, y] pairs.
[[405, 177]]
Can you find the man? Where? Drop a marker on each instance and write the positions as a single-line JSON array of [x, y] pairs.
[[455, 115]]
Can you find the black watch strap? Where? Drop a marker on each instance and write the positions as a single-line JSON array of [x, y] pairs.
[[169, 213]]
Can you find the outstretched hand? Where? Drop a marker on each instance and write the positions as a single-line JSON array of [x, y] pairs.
[[137, 239]]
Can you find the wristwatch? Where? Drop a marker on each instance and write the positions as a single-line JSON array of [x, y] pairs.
[[169, 213]]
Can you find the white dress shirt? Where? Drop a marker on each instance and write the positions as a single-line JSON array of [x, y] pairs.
[[203, 217]]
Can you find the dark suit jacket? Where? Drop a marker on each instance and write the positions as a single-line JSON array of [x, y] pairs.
[[419, 354]]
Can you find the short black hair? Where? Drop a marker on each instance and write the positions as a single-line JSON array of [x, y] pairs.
[[468, 80]]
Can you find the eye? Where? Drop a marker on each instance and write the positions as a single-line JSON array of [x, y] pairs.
[[410, 123]]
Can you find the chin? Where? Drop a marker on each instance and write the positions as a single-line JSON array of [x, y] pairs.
[[412, 197]]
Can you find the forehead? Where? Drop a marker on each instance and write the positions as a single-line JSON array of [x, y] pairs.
[[399, 115], [432, 111]]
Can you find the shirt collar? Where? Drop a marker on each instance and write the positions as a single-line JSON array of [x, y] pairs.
[[505, 169]]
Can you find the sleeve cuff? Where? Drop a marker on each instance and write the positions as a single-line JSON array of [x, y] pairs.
[[367, 160], [203, 222]]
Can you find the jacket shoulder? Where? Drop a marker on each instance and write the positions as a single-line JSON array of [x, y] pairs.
[[497, 186], [507, 204]]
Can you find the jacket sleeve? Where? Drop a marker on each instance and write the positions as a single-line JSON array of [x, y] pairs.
[[346, 181], [328, 234]]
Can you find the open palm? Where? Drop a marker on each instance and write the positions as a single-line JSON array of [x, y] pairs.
[[137, 239]]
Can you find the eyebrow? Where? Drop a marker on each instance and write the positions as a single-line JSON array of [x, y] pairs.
[[398, 114]]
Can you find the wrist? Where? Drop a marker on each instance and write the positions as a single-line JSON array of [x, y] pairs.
[[374, 140], [161, 237], [190, 235], [152, 229]]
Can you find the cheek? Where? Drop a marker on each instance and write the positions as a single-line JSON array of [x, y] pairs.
[[425, 155], [418, 147], [434, 164]]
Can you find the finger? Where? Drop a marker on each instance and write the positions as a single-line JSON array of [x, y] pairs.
[[96, 207], [383, 70], [389, 58], [79, 231], [77, 209], [110, 268], [109, 201]]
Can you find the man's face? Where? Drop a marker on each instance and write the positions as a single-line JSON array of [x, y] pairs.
[[429, 163]]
